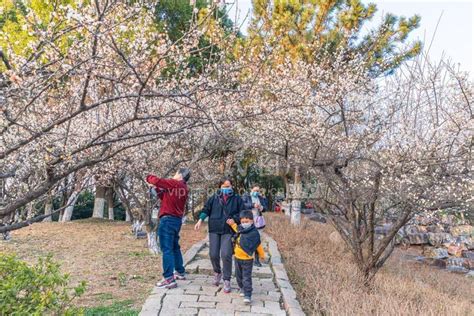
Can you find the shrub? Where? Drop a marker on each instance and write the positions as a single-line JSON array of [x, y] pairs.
[[35, 289]]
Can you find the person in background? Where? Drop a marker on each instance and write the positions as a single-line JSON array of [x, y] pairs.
[[247, 243], [255, 200], [257, 204], [173, 194], [220, 207]]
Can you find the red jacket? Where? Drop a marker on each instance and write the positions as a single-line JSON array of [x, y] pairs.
[[173, 195]]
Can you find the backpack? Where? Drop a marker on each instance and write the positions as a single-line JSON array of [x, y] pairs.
[[260, 221]]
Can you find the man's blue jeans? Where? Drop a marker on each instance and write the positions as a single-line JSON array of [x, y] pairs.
[[168, 233]]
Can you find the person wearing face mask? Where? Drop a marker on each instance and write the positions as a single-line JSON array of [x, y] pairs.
[[220, 207], [257, 204], [255, 201], [246, 244]]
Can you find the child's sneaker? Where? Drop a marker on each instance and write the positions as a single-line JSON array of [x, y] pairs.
[[167, 284], [217, 279], [179, 276], [226, 286], [247, 300]]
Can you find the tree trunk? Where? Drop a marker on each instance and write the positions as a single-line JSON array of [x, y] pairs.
[[77, 180], [285, 207], [99, 202], [17, 216], [48, 208], [151, 223], [222, 166], [152, 242], [128, 216], [296, 199], [192, 205], [296, 212], [67, 215], [137, 226], [30, 211], [64, 196], [110, 203], [285, 204]]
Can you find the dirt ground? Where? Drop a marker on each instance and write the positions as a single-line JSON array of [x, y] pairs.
[[105, 254], [324, 276]]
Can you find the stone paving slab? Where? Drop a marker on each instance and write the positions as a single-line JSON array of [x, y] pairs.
[[197, 296], [203, 266]]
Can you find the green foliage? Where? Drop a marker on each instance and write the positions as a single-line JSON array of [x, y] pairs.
[[84, 205], [174, 17], [314, 30], [21, 23], [119, 308], [37, 289], [245, 171]]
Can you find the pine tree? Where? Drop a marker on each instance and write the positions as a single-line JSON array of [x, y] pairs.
[[311, 29]]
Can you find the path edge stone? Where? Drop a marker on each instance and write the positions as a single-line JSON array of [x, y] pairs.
[[152, 305], [194, 250], [290, 302]]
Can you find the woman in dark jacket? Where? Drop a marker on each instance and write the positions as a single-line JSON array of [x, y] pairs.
[[220, 207]]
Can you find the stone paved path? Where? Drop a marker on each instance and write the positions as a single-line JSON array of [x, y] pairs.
[[197, 296]]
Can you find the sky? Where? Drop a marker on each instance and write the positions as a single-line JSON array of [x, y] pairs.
[[446, 27]]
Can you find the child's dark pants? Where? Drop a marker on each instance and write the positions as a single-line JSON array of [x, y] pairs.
[[243, 274]]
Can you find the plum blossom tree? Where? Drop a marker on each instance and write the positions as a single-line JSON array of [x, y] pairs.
[[118, 84], [398, 145]]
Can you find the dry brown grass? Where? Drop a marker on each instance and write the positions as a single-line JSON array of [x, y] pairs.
[[324, 276], [115, 265]]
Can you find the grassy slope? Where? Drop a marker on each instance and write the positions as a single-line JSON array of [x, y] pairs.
[[325, 279], [117, 267]]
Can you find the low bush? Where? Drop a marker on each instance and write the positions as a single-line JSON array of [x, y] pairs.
[[35, 289]]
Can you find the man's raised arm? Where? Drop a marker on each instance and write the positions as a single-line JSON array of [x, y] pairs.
[[162, 183]]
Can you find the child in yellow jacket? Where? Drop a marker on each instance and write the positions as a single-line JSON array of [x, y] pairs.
[[247, 242]]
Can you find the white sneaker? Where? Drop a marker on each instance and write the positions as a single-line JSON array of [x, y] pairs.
[[247, 300], [241, 293]]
